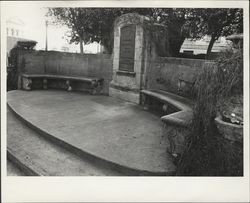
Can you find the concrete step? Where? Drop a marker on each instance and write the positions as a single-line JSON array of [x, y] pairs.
[[37, 156], [13, 170]]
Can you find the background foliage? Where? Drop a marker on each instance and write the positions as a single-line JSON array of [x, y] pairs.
[[96, 24]]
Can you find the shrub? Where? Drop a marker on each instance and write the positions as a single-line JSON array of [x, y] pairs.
[[207, 152]]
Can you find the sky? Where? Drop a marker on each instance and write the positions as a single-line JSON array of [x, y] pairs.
[[33, 15]]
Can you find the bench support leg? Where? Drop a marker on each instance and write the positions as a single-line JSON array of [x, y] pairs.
[[27, 83], [93, 91], [165, 108], [176, 137], [45, 84], [144, 101], [97, 88], [68, 86], [94, 86]]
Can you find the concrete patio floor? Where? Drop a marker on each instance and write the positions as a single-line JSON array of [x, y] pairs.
[[113, 130]]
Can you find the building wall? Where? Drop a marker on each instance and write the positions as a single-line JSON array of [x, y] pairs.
[[15, 28], [200, 46], [71, 64], [14, 31]]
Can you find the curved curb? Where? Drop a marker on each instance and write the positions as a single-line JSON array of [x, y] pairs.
[[128, 171]]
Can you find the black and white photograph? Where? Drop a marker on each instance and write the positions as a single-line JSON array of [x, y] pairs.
[[94, 91]]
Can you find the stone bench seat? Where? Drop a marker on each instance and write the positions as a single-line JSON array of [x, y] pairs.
[[178, 102], [176, 120], [95, 83], [182, 107]]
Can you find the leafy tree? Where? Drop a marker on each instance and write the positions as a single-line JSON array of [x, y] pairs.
[[89, 25], [198, 22], [215, 22], [175, 19], [96, 24]]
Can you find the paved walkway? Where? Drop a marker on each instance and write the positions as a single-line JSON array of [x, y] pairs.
[[43, 157], [112, 129]]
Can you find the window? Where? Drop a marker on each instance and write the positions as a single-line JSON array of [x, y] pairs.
[[17, 32], [12, 32]]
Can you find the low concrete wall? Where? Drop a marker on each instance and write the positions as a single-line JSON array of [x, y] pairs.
[[164, 73], [70, 64]]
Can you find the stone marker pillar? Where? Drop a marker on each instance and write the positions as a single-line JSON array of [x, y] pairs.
[[132, 52]]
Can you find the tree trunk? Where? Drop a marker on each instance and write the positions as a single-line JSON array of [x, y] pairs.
[[210, 46], [181, 41], [107, 47], [176, 38], [81, 46]]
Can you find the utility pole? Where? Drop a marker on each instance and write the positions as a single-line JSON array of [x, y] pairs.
[[46, 40]]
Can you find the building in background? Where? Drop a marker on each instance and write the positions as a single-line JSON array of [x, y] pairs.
[[15, 27], [200, 46], [15, 31], [237, 40]]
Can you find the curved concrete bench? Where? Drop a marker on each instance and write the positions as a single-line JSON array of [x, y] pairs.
[[182, 106], [177, 122], [179, 102], [96, 84]]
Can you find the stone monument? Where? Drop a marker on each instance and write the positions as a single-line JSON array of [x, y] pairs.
[[134, 48]]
